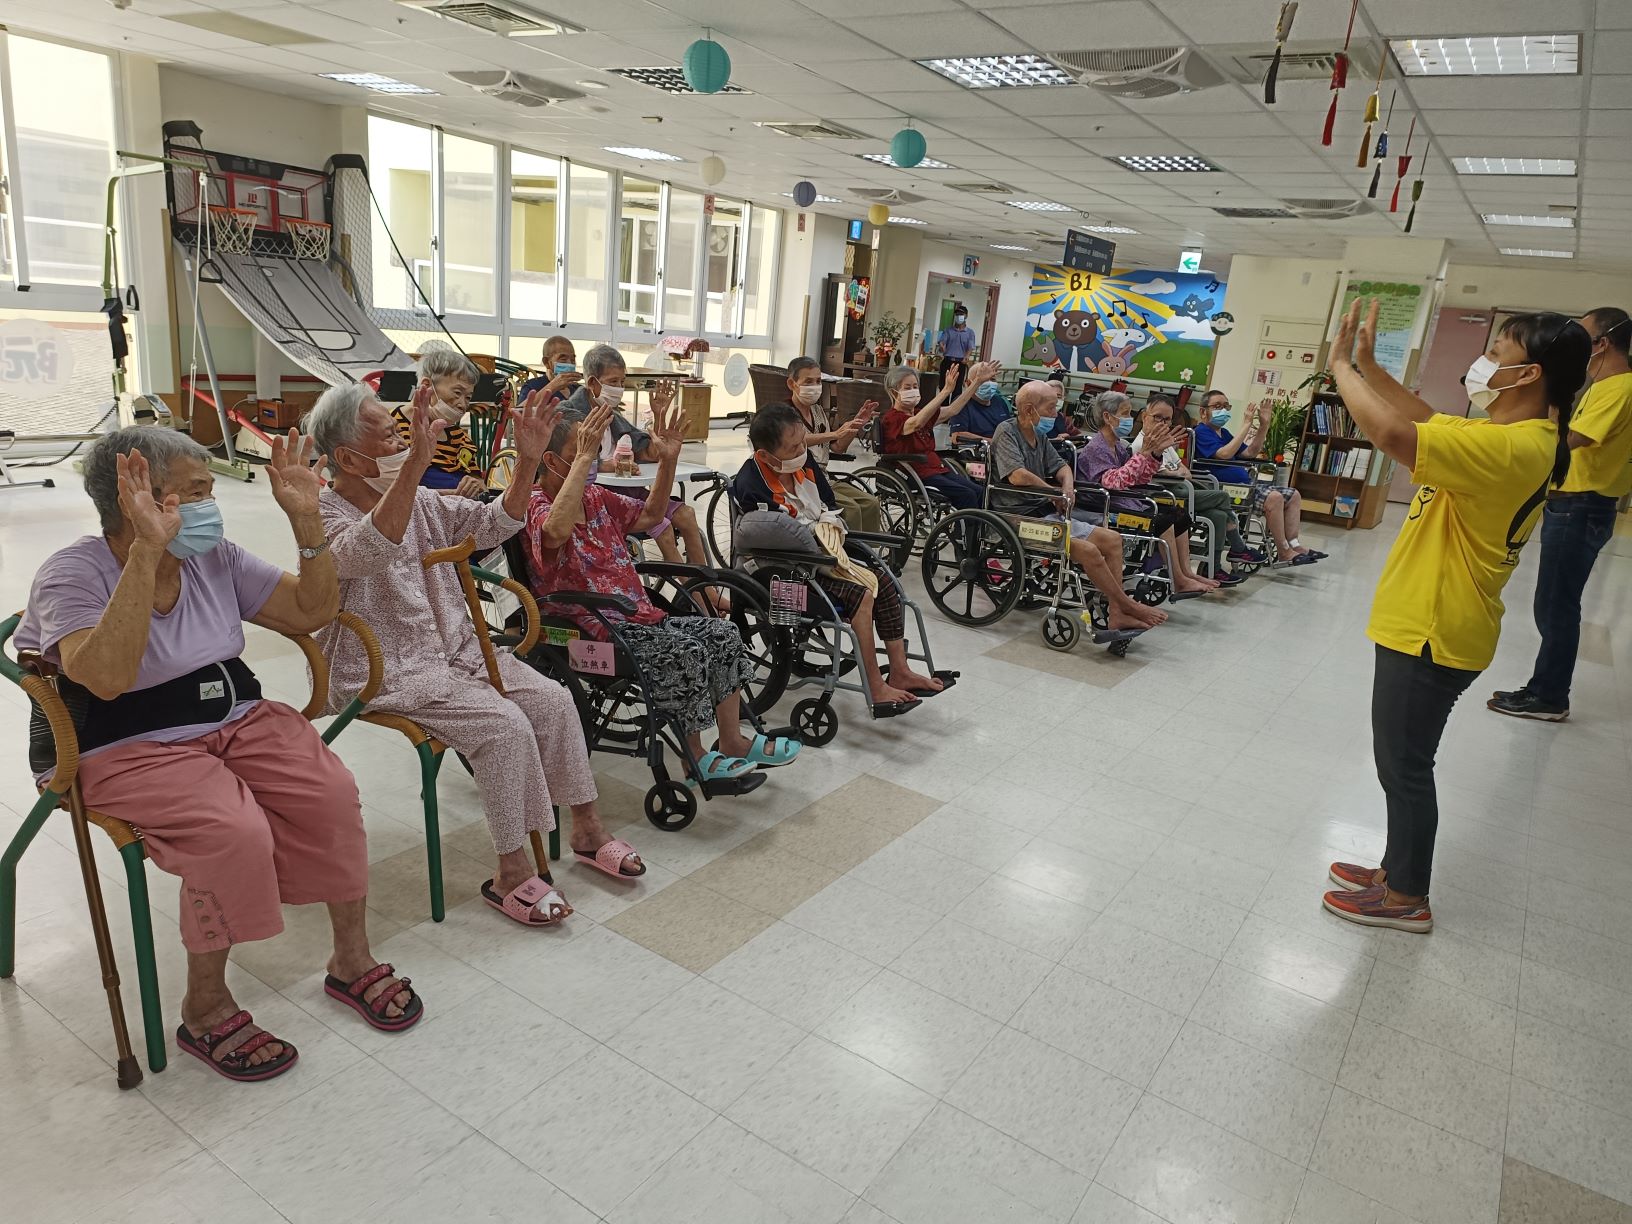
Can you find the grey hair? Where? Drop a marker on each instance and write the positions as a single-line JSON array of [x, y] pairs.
[[602, 359], [160, 447], [1108, 403], [558, 435], [447, 363], [898, 375], [336, 419]]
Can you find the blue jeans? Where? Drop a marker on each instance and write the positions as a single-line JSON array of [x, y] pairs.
[[963, 493], [1574, 528]]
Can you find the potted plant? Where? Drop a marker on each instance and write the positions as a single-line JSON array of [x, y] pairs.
[[887, 331], [1281, 437]]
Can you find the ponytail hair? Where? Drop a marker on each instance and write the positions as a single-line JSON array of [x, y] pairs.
[[1561, 347]]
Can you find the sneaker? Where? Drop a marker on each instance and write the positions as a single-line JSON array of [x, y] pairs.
[[1524, 704], [1351, 876], [1369, 907], [1227, 580], [1247, 556]]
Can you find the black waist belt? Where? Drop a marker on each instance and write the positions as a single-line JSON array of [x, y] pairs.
[[1588, 496], [207, 695]]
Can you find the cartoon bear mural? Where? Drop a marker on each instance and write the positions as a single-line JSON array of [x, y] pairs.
[[1075, 332]]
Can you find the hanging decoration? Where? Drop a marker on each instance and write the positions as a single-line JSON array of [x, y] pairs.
[[1373, 113], [879, 215], [804, 193], [713, 170], [1404, 167], [1382, 148], [1283, 31], [1416, 190], [1340, 76], [706, 66], [908, 147]]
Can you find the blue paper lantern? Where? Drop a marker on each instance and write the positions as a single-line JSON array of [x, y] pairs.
[[908, 147], [706, 66], [804, 194]]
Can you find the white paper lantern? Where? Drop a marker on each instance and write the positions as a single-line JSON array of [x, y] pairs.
[[713, 169]]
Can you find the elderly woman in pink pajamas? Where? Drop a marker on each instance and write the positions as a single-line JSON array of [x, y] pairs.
[[525, 745], [234, 793]]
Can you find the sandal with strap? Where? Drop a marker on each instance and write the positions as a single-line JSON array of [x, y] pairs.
[[610, 858], [352, 994], [522, 902], [218, 1051], [771, 751]]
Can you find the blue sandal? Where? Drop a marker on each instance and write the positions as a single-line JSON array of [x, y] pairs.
[[717, 767], [772, 752]]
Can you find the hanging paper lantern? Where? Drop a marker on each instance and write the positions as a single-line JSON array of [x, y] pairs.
[[713, 170], [804, 193], [879, 215], [706, 66], [907, 148]]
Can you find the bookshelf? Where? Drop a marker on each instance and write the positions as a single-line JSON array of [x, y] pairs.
[[1343, 478]]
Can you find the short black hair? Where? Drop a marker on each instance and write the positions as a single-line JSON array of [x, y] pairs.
[[802, 363], [770, 424], [1055, 376], [1561, 347], [1614, 325], [1207, 398]]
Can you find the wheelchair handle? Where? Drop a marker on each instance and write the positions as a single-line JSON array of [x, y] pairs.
[[595, 601]]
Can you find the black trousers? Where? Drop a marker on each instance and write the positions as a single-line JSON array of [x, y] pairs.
[[957, 368], [1411, 700], [1574, 529]]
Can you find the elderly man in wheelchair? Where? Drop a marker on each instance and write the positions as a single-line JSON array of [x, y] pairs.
[[576, 540], [1031, 477], [524, 744], [234, 793]]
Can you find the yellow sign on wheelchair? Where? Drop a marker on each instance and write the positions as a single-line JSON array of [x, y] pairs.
[[555, 635], [1133, 522], [1038, 533], [1238, 493]]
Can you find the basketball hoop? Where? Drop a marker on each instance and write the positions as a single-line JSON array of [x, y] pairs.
[[232, 229], [310, 239]]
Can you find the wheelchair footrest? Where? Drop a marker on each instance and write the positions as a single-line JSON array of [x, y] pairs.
[[734, 786], [1104, 637]]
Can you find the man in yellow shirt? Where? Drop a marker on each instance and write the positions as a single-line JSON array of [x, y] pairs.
[[1580, 517]]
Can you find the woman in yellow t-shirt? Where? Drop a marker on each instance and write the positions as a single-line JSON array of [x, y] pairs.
[[1438, 608]]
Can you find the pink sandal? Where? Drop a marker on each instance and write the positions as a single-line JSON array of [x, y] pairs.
[[352, 994], [521, 903], [233, 1061], [610, 858]]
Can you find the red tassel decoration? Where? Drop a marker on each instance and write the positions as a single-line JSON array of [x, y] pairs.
[[1394, 202], [1340, 66], [1340, 77], [1404, 165], [1331, 122]]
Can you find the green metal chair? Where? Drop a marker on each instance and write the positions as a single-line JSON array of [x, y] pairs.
[[36, 677]]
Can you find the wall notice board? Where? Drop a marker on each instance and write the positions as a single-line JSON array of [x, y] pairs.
[[1402, 316]]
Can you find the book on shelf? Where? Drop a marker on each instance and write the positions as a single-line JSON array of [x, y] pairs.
[[1345, 507], [1356, 467], [1306, 461], [1337, 463]]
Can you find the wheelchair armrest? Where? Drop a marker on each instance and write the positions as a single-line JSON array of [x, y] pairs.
[[675, 569], [707, 477], [834, 456], [873, 537], [788, 556], [594, 601]]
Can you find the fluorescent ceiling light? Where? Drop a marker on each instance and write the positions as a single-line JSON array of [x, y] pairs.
[[1166, 163], [1108, 229], [640, 154], [669, 80], [907, 221], [999, 71], [1489, 55], [1515, 165], [1528, 219], [1039, 206], [884, 159], [376, 82], [1538, 253], [820, 199], [1008, 246]]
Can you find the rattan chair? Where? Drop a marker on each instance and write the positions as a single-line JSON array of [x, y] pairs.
[[37, 678], [770, 384]]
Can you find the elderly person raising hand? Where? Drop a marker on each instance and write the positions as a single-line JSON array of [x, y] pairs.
[[525, 745], [909, 430], [145, 622]]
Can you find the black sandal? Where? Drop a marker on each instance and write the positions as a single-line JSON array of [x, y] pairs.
[[234, 1064]]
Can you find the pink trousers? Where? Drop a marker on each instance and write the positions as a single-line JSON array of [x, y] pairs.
[[253, 816]]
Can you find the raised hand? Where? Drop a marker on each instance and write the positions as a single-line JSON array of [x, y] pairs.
[[559, 384], [533, 424], [426, 429], [981, 371], [1366, 337], [1348, 326], [667, 427], [661, 396], [295, 482], [156, 522], [591, 430]]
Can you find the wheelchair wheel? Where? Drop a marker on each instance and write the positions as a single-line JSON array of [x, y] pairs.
[[814, 722], [717, 525], [1060, 631], [670, 805], [1150, 591], [898, 508], [765, 644], [973, 567]]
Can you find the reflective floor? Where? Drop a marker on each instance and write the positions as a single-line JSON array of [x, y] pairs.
[[1048, 949]]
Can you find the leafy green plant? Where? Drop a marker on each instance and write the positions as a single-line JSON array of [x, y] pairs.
[[1285, 427], [887, 329]]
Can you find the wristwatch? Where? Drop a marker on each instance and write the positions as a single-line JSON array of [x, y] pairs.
[[306, 554]]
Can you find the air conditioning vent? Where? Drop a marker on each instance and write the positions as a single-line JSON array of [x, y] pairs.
[[981, 188], [517, 88], [1141, 72], [820, 130], [1256, 214], [886, 195], [512, 21], [669, 80], [1247, 64], [1326, 210]]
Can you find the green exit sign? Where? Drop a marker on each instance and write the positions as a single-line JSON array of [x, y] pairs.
[[1189, 261]]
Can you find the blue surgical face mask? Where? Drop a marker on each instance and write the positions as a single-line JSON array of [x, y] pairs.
[[1220, 417], [1124, 427], [201, 529], [985, 391], [563, 367], [1044, 426]]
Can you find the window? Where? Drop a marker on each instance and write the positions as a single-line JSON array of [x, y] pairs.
[[759, 271], [680, 265], [400, 169], [723, 252], [534, 195], [640, 252], [470, 240], [57, 155], [589, 211]]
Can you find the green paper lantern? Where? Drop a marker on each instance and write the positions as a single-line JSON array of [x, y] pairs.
[[706, 66], [908, 147]]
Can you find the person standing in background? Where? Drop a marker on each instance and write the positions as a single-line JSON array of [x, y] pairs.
[[1579, 518], [956, 345]]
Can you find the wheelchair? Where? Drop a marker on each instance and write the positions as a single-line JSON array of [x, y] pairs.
[[1249, 516], [613, 693]]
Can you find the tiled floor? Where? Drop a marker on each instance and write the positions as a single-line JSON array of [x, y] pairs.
[[1050, 949]]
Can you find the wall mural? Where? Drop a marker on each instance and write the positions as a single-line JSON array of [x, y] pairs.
[[1159, 326]]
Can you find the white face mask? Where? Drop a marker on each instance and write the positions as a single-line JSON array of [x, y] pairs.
[[789, 466], [389, 466], [611, 396], [447, 411], [1477, 380], [909, 397], [809, 393]]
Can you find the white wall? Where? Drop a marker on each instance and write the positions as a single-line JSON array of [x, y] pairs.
[[1569, 290], [807, 259], [1013, 280], [1259, 288]]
